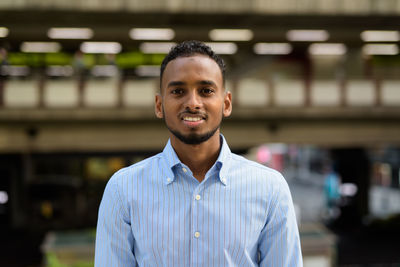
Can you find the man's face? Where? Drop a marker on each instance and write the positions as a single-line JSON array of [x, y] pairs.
[[193, 99]]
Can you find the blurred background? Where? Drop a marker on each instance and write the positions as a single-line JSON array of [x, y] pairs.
[[316, 95]]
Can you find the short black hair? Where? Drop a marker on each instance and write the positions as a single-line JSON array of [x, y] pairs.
[[191, 48]]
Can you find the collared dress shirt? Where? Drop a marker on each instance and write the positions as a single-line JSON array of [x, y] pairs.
[[155, 213]]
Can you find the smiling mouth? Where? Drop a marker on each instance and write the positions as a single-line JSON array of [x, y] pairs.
[[194, 119], [189, 116]]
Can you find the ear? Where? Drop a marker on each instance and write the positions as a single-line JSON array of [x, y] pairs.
[[158, 106], [227, 104]]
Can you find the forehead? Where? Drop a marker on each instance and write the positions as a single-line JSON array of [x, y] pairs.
[[186, 69]]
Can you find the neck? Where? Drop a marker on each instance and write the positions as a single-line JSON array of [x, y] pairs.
[[199, 158]]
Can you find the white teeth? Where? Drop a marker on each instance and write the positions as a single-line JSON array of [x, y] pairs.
[[192, 118]]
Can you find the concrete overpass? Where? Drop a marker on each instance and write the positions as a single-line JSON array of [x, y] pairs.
[[130, 129]]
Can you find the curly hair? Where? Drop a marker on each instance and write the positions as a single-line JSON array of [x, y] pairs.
[[188, 49]]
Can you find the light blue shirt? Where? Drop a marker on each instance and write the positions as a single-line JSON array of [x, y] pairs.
[[155, 213]]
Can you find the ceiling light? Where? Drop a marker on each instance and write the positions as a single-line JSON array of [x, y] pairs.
[[148, 70], [380, 49], [101, 47], [40, 47], [70, 33], [380, 36], [152, 34], [3, 32], [326, 49], [156, 48], [272, 48], [227, 48], [230, 35], [307, 35]]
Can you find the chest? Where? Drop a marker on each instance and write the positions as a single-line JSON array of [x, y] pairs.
[[181, 218]]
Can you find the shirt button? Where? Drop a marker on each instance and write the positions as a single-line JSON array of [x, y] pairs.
[[223, 180], [184, 169], [197, 234], [198, 197], [169, 179]]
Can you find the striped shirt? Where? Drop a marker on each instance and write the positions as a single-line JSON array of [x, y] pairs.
[[155, 213]]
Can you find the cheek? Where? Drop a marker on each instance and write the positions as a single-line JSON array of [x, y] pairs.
[[220, 107], [168, 112]]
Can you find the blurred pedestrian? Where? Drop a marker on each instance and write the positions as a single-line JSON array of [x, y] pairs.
[[332, 192]]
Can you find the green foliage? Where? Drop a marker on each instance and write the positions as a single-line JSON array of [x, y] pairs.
[[26, 59], [124, 60], [58, 59], [130, 59], [53, 261], [134, 59]]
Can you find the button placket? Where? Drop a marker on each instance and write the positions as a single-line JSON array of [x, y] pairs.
[[196, 197]]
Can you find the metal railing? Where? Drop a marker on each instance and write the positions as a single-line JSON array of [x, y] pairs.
[[249, 93]]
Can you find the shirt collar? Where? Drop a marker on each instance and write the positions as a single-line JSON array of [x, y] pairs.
[[223, 161], [172, 160]]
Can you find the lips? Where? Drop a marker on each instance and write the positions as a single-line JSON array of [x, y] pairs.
[[192, 119], [192, 116], [187, 118]]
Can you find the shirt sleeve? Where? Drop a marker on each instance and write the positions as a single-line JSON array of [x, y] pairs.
[[279, 240], [114, 239]]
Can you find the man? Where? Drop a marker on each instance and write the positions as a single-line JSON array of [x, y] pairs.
[[196, 203]]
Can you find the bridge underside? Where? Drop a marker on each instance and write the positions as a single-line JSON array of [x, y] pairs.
[[130, 130]]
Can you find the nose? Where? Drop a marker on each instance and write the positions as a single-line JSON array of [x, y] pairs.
[[193, 101]]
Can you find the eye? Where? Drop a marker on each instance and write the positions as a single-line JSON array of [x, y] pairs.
[[207, 91], [177, 91]]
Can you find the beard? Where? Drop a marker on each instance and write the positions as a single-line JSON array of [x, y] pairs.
[[192, 138]]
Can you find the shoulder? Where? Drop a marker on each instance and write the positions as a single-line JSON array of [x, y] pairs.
[[253, 172], [240, 162], [123, 183], [127, 174]]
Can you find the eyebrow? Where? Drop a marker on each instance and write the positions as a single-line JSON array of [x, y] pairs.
[[206, 82], [179, 83], [175, 83]]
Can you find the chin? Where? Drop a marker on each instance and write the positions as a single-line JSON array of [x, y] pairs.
[[194, 138]]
